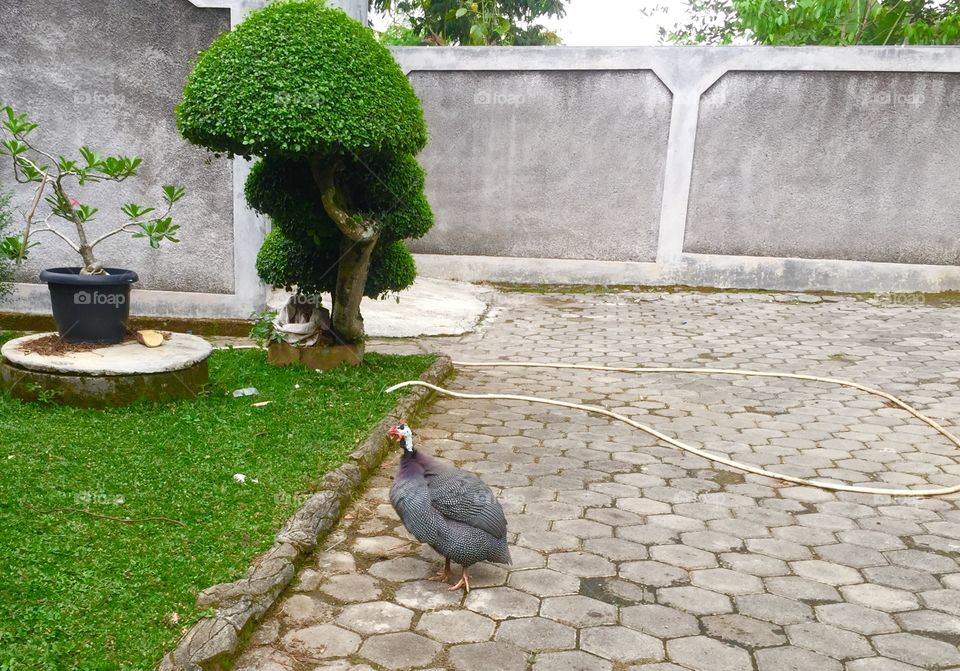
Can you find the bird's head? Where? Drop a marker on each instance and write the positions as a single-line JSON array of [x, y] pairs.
[[401, 433]]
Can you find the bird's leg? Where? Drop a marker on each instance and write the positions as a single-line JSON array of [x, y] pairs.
[[464, 582], [443, 575]]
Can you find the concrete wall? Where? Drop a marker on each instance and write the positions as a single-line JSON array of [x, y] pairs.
[[828, 165], [810, 168], [520, 162]]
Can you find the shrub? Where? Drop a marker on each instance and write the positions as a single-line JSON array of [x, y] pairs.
[[336, 125], [6, 266]]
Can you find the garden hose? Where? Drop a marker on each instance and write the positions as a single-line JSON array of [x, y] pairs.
[[939, 491]]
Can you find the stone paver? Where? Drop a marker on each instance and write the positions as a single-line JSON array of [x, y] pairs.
[[620, 644], [456, 626], [400, 650], [629, 555]]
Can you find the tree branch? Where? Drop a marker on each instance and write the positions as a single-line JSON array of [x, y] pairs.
[[30, 214], [121, 229], [324, 174], [60, 235]]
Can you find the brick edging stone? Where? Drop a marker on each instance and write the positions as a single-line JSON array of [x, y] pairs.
[[211, 643]]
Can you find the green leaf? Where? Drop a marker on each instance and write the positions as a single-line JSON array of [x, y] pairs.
[[478, 34], [173, 193], [13, 248], [85, 212], [89, 156], [13, 147], [133, 210]]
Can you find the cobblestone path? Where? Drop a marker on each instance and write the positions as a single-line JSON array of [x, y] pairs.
[[631, 555]]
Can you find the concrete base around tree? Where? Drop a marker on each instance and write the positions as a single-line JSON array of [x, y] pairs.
[[111, 376], [318, 357]]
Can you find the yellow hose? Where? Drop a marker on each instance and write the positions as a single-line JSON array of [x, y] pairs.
[[940, 491]]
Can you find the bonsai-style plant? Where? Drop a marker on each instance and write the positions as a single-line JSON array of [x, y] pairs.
[[337, 125], [90, 302], [53, 177]]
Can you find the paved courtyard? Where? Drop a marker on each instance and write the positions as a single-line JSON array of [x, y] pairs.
[[629, 554]]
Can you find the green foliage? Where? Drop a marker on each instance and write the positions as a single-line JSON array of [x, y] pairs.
[[819, 22], [391, 189], [312, 269], [297, 78], [304, 246], [82, 593], [284, 190], [392, 269], [470, 22], [262, 330], [288, 263], [6, 269], [399, 35]]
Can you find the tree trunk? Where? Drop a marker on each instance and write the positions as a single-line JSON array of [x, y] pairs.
[[351, 279], [359, 237]]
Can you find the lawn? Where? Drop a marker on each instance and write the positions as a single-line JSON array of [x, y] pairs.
[[85, 592]]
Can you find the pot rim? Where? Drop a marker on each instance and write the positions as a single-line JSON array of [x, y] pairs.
[[72, 276]]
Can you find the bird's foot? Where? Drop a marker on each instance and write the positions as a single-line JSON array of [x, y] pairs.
[[444, 574], [464, 582]]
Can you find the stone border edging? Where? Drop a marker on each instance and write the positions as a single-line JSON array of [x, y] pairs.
[[213, 641]]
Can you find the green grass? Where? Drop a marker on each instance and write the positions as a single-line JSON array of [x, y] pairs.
[[80, 592]]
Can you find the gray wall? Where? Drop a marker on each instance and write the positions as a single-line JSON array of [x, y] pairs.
[[94, 72], [829, 165], [520, 162], [754, 167]]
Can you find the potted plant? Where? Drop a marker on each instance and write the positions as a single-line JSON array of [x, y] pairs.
[[91, 303], [336, 125]]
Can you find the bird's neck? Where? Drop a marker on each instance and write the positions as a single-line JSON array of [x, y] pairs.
[[408, 449]]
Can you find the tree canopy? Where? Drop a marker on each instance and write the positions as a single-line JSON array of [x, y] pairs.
[[468, 22], [819, 22], [298, 78]]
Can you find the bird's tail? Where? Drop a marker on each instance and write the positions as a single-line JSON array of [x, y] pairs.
[[501, 553]]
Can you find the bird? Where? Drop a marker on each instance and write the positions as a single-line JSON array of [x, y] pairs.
[[452, 511]]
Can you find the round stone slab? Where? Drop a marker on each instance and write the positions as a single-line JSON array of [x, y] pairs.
[[113, 375], [130, 358]]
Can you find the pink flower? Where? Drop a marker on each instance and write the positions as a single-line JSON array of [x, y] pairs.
[[74, 202]]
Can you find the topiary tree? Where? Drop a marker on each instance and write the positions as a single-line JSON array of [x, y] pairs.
[[337, 125]]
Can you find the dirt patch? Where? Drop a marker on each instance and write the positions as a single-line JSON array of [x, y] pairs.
[[54, 345]]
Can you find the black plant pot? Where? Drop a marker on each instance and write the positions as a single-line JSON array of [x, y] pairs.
[[90, 308]]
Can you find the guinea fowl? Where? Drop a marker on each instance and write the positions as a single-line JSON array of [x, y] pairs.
[[452, 511]]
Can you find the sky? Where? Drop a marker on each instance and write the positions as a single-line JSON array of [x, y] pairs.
[[615, 23], [609, 23]]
